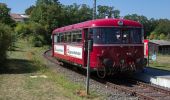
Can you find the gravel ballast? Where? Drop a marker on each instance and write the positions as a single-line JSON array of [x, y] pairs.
[[73, 76]]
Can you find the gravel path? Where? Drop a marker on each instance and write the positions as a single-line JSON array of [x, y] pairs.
[[73, 76]]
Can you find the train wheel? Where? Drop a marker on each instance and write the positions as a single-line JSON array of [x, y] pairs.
[[101, 72]]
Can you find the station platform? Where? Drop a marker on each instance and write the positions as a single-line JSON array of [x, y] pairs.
[[154, 76]]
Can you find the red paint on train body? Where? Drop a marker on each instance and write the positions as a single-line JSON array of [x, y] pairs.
[[118, 45]]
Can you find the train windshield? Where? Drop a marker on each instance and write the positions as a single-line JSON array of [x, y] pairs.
[[108, 35]]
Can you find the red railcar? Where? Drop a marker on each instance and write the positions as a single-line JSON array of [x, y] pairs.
[[117, 45]]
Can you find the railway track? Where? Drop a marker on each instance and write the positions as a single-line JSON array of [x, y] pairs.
[[131, 87], [141, 90]]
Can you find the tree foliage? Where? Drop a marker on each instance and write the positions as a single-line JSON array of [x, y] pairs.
[[51, 14], [46, 2], [163, 26], [107, 11], [143, 20], [5, 40], [48, 15], [4, 15], [162, 36], [22, 29], [36, 32], [168, 37], [77, 13], [29, 10]]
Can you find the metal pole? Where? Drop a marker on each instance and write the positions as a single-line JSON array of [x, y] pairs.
[[88, 67], [148, 54], [94, 10]]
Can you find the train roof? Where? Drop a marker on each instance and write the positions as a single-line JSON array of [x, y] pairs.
[[99, 23]]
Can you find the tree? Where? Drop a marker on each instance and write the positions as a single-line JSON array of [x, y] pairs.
[[162, 36], [163, 26], [47, 15], [4, 15], [116, 13], [29, 10], [5, 40], [153, 23], [71, 13], [151, 37], [35, 32], [46, 2], [77, 13], [168, 37], [85, 13], [104, 11], [143, 20], [107, 11], [22, 29]]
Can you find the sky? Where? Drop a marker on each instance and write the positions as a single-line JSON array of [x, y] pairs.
[[150, 8]]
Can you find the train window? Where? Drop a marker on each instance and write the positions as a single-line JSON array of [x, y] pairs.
[[136, 36], [58, 38], [55, 38], [76, 36], [61, 37], [64, 37], [68, 37], [106, 35], [73, 37], [79, 37], [125, 35]]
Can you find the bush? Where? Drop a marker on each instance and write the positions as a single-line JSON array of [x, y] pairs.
[[168, 37], [37, 29], [154, 36], [5, 40], [151, 37], [162, 36], [37, 40], [34, 31], [22, 29]]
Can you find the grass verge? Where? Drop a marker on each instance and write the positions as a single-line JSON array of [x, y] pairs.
[[162, 62], [25, 76]]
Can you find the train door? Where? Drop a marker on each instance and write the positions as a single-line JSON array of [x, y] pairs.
[[85, 45]]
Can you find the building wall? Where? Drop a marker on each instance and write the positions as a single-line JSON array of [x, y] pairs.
[[161, 49]]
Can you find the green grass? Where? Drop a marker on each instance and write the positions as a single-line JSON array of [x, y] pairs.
[[162, 62], [26, 61]]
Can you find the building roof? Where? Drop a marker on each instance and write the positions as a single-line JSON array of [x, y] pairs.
[[24, 16], [99, 23], [160, 42], [16, 16]]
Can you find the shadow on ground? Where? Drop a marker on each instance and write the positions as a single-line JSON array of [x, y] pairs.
[[18, 66]]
